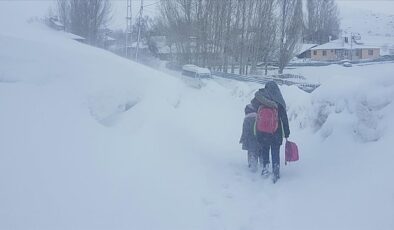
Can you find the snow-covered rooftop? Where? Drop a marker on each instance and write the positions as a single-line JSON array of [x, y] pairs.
[[56, 22], [110, 38], [196, 69], [339, 44], [163, 50], [305, 47], [140, 46], [73, 36], [167, 49]]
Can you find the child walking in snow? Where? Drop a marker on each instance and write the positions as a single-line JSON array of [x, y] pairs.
[[248, 138], [271, 97]]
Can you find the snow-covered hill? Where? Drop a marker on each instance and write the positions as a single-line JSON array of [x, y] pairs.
[[368, 17], [89, 140], [373, 20]]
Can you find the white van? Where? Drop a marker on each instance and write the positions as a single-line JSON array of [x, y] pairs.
[[195, 71]]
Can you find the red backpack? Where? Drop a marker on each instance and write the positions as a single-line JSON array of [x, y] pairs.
[[267, 120]]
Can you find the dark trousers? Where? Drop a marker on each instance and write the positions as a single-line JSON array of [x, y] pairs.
[[274, 155]]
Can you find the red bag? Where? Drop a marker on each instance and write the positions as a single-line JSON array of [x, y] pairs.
[[267, 120], [291, 152]]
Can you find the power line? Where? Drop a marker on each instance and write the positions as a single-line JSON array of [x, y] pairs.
[[139, 30], [152, 4], [128, 27]]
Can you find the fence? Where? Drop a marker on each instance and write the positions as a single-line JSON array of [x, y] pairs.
[[282, 79]]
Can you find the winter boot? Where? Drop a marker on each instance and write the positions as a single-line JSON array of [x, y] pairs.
[[249, 159], [261, 162], [265, 172], [252, 161], [275, 173]]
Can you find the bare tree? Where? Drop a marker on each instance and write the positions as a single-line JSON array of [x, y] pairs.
[[85, 17], [291, 22], [63, 7], [226, 42], [264, 33], [323, 21], [236, 34], [176, 16]]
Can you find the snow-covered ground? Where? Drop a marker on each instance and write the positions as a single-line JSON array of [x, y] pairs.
[[89, 140]]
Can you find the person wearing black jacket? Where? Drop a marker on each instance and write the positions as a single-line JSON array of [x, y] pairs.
[[271, 93]]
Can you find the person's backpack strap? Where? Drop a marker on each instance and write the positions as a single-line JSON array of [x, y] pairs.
[[283, 130], [254, 128]]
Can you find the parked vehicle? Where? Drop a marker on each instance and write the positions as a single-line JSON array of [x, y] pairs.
[[346, 63], [195, 71]]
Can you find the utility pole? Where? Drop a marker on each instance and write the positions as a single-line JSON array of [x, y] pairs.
[[351, 46], [139, 30], [128, 28]]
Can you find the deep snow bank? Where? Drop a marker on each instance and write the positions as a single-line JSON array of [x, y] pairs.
[[355, 100]]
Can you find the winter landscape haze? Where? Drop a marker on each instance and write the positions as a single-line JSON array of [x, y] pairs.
[[82, 147]]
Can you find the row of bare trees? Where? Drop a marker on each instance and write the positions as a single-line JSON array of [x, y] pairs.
[[85, 17], [233, 35], [322, 21], [227, 35]]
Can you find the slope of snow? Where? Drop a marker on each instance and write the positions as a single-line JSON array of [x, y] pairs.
[[89, 140], [373, 20]]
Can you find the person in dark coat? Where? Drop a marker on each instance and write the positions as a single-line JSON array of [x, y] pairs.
[[271, 93], [248, 138]]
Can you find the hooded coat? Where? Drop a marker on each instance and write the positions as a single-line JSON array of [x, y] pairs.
[[273, 91], [248, 139], [272, 97]]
